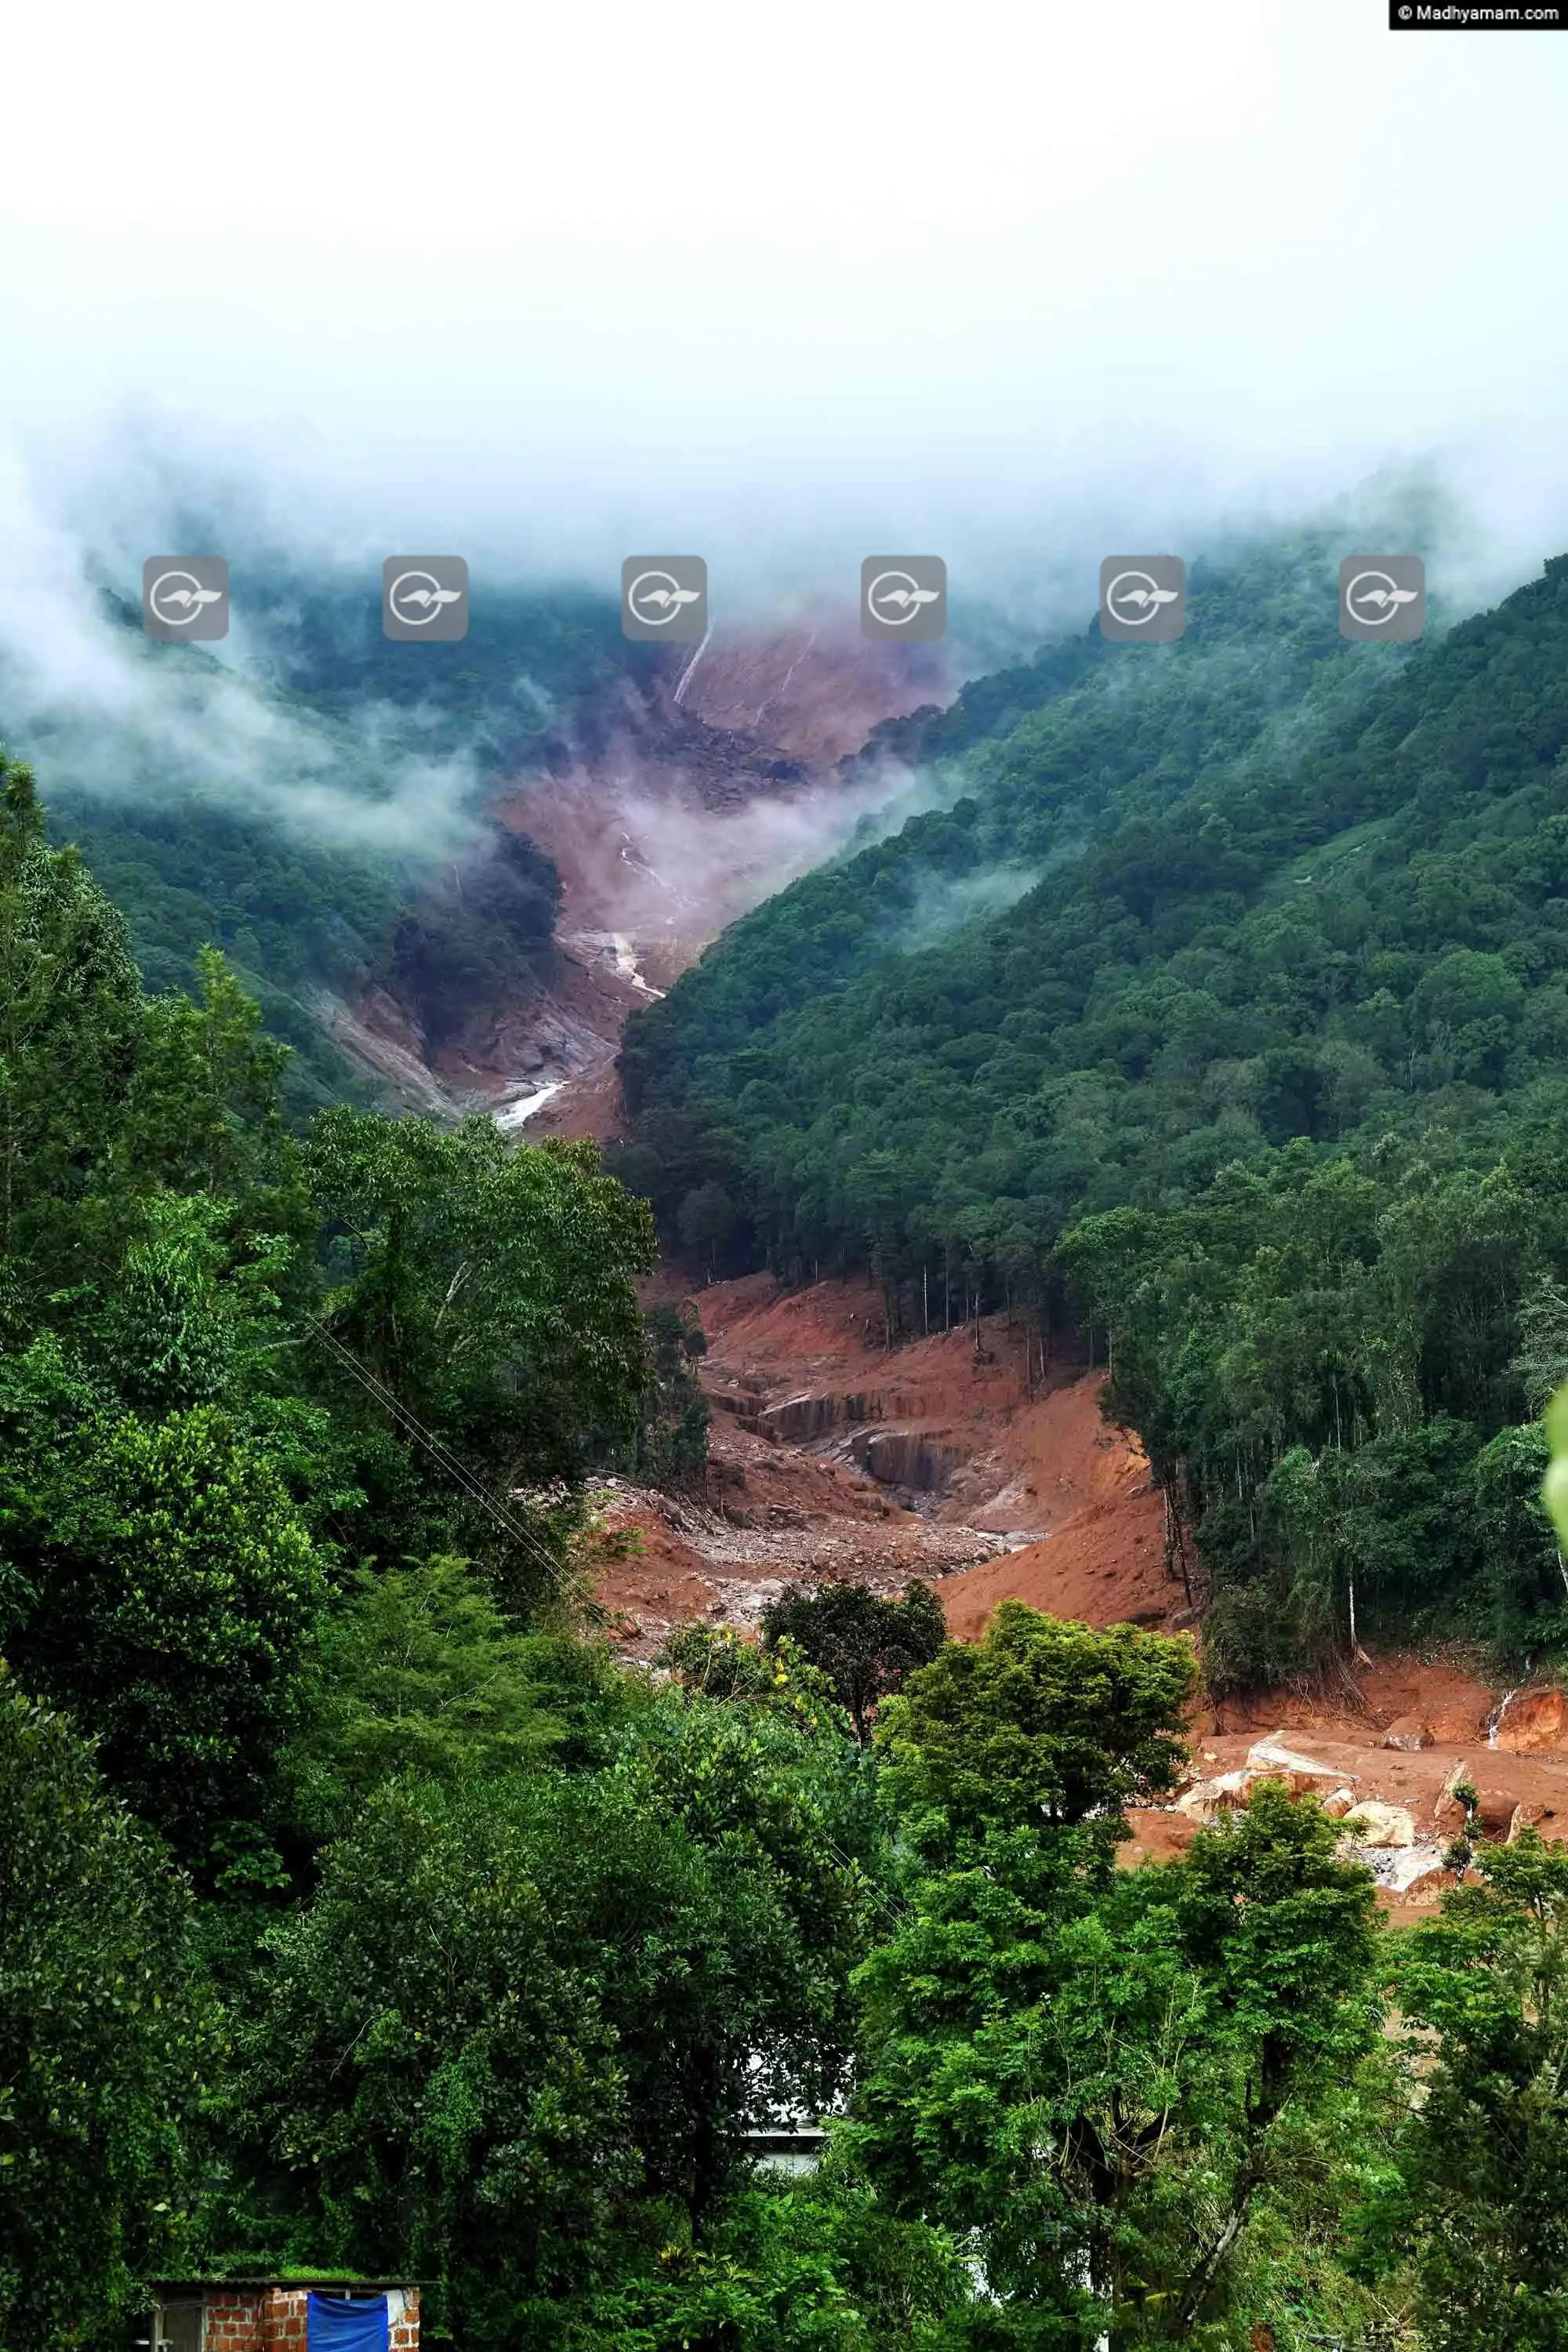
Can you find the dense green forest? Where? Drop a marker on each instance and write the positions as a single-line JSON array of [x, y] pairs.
[[1219, 1009], [358, 1909]]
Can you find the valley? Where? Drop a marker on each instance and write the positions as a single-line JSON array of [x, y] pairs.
[[841, 1448], [784, 1330], [669, 802], [850, 1441], [1063, 1203]]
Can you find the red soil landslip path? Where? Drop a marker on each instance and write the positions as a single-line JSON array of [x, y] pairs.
[[833, 1456]]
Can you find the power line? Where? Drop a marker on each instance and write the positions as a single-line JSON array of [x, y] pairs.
[[459, 1471], [446, 1461]]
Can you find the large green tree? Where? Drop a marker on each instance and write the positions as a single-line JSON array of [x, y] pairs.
[[1102, 2080], [158, 1580], [418, 1671], [1485, 2155], [103, 2042], [863, 1644], [811, 2264], [484, 1287], [519, 2028], [1043, 1723], [70, 1015]]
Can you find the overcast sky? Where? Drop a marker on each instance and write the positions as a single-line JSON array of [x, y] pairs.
[[782, 282]]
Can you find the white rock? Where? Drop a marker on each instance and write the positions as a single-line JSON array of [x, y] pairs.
[[1273, 1755], [1406, 1869], [1373, 1823], [1207, 1799]]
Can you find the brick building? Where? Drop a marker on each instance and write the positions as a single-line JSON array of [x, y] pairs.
[[296, 2314]]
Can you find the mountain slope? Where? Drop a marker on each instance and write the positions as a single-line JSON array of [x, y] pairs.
[[424, 860], [1224, 1005], [1247, 887], [309, 798]]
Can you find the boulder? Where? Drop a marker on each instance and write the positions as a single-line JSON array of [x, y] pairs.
[[1414, 1866], [1524, 1816], [1373, 1823], [1494, 1810], [1206, 1800], [1409, 1732], [1530, 1721], [1294, 1784], [1448, 1814], [1272, 1757], [1154, 1835], [1342, 1802]]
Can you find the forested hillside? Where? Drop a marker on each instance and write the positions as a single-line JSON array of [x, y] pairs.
[[1222, 1005], [317, 808], [359, 1913]]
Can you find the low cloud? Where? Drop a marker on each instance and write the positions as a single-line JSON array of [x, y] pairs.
[[100, 710]]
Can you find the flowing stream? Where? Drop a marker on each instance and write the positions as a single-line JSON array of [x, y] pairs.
[[512, 1114]]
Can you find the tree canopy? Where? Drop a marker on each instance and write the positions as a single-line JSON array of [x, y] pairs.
[[102, 2040], [1217, 1020], [864, 1645]]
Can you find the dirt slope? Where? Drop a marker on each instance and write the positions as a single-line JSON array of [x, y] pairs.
[[833, 1456], [1104, 1566], [669, 804]]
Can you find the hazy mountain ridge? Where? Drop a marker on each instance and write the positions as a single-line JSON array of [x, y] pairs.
[[419, 857]]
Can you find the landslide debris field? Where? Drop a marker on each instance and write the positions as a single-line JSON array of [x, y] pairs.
[[667, 802], [835, 1457]]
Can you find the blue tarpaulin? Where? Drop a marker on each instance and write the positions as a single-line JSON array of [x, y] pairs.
[[335, 2322]]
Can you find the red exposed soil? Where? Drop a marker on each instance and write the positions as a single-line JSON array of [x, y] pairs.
[[833, 1456], [1044, 1465], [562, 1032], [587, 1109], [1452, 1704], [814, 690], [1511, 1790], [1105, 1568], [1530, 1720], [821, 1355], [669, 806], [1031, 1495]]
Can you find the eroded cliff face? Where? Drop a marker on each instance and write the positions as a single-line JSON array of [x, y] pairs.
[[668, 807]]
